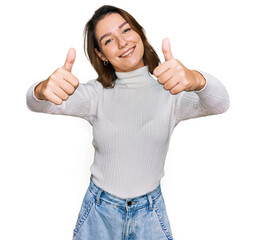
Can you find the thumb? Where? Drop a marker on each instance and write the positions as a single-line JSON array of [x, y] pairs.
[[166, 48], [71, 56]]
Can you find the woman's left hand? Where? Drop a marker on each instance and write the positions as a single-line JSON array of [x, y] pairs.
[[175, 76]]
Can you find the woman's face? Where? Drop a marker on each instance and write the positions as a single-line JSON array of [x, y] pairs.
[[116, 38]]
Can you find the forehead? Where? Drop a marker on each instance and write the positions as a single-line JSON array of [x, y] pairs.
[[109, 23]]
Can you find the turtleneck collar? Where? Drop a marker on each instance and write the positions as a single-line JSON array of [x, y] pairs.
[[135, 79]]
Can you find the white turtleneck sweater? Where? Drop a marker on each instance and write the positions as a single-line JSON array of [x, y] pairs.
[[132, 124]]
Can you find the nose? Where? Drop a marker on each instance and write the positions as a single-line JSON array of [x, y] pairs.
[[122, 42]]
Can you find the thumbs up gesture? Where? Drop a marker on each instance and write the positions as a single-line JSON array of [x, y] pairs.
[[61, 84], [175, 76]]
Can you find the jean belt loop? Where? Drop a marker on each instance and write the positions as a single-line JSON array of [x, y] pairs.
[[150, 201], [98, 197]]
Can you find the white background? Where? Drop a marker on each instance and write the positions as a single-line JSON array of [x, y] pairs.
[[209, 182]]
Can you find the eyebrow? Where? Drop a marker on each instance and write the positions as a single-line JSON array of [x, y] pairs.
[[107, 34]]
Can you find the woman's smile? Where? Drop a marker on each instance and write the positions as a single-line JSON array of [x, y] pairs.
[[128, 52]]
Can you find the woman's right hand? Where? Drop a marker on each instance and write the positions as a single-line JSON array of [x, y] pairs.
[[61, 84]]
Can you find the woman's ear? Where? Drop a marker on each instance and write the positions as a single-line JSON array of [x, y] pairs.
[[101, 56]]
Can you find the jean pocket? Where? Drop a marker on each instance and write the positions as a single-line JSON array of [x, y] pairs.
[[161, 213], [85, 209]]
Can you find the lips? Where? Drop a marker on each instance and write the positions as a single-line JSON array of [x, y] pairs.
[[127, 51]]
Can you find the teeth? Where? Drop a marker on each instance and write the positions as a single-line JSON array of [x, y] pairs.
[[127, 53]]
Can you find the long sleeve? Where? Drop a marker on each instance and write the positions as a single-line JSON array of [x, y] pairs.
[[212, 99], [82, 103]]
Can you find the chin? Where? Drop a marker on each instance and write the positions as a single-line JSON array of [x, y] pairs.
[[129, 66]]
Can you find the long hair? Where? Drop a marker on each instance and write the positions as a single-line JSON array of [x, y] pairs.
[[106, 74]]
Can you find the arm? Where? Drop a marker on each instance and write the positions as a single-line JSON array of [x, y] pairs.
[[212, 99], [82, 103]]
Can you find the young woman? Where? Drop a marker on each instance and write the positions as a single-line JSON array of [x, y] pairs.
[[133, 116]]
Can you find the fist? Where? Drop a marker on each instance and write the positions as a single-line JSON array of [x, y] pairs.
[[61, 84], [174, 75]]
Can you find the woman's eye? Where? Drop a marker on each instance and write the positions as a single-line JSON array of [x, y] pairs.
[[127, 29], [107, 41]]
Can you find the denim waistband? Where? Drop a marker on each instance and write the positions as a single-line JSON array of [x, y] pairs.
[[146, 199]]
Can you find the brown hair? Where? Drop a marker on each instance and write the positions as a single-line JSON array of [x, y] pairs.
[[106, 74]]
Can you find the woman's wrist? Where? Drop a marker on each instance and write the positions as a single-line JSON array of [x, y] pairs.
[[201, 81], [37, 92]]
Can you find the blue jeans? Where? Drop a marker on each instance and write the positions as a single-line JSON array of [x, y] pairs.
[[104, 216]]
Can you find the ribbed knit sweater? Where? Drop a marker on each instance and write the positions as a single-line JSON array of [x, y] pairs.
[[132, 124]]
